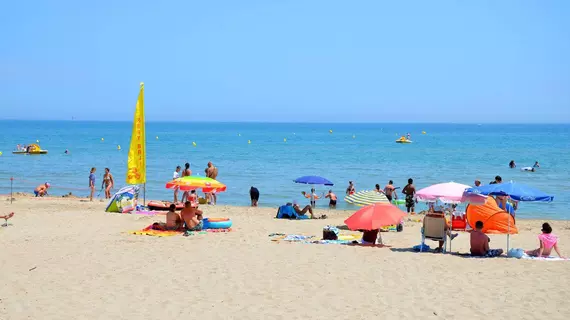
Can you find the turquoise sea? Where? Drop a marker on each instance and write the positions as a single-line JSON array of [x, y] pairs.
[[364, 153]]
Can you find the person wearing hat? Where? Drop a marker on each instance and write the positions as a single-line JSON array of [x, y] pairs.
[[41, 190]]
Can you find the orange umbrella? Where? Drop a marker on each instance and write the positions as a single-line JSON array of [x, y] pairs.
[[375, 216]]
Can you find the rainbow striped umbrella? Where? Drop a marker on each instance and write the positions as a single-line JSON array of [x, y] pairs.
[[195, 182]]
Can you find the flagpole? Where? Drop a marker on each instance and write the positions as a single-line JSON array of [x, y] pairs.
[[144, 194]]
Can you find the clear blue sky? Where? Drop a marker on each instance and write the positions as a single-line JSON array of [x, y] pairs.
[[334, 60]]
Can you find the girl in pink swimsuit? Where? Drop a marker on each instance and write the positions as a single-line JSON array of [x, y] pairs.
[[548, 241]]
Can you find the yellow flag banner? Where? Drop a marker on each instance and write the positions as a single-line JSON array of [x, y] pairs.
[[136, 164]]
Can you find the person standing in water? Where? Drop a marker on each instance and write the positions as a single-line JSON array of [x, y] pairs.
[[332, 199], [512, 164], [186, 173], [254, 196], [108, 183], [390, 191], [410, 192], [212, 173], [350, 189], [175, 176], [92, 183]]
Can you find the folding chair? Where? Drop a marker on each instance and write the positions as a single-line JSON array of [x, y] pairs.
[[434, 229]]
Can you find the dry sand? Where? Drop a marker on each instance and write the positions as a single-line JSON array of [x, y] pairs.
[[67, 259]]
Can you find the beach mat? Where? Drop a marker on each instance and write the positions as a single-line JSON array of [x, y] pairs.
[[342, 239], [149, 231]]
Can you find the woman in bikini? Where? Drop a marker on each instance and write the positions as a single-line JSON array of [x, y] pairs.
[[186, 173], [548, 241], [108, 182]]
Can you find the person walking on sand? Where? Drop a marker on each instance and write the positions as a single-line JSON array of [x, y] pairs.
[[92, 183], [108, 183], [390, 191], [410, 192], [175, 176]]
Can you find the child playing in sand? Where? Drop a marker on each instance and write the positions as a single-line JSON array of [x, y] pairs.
[[547, 241]]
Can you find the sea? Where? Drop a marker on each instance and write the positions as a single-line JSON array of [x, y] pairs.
[[270, 156]]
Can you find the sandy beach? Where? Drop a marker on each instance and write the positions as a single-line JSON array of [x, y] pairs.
[[68, 259]]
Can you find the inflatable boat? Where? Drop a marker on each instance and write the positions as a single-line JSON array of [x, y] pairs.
[[403, 140], [163, 205], [31, 149]]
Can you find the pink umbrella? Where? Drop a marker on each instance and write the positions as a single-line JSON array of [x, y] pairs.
[[449, 192]]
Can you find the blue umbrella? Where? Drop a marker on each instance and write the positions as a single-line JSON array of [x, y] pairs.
[[313, 180], [516, 191]]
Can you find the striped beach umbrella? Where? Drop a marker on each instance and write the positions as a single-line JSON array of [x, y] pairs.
[[366, 197]]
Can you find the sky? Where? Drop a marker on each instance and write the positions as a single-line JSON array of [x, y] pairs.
[[287, 61]]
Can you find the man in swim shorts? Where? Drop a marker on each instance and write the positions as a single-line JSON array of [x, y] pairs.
[[192, 217], [410, 192], [390, 191], [254, 196], [41, 190], [332, 199], [480, 243]]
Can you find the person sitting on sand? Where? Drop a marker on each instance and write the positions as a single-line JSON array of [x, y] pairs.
[[306, 209], [480, 243], [369, 237], [192, 217], [548, 241], [173, 220], [332, 201], [437, 211], [41, 190]]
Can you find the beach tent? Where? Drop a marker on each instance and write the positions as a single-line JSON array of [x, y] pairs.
[[494, 219], [124, 200]]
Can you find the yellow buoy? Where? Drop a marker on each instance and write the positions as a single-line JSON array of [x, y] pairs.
[[37, 141], [284, 139], [423, 132], [249, 141], [102, 139], [330, 131], [156, 137], [119, 147], [193, 143], [353, 136], [0, 153]]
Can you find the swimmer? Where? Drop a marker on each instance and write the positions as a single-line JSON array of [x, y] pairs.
[[41, 190], [377, 188], [477, 183], [409, 136], [536, 165], [531, 169], [66, 151], [512, 164], [350, 189], [332, 201]]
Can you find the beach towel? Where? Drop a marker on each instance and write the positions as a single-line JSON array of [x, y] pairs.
[[206, 231], [520, 254], [298, 238], [149, 231]]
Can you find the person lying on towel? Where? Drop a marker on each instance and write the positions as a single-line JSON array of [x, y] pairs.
[[480, 243]]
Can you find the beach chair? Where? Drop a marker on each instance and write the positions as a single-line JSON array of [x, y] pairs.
[[434, 229]]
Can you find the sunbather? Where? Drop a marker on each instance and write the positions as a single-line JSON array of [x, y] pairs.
[[547, 241], [480, 243], [306, 209], [173, 220], [192, 216]]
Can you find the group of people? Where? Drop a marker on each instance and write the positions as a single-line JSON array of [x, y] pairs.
[[536, 165], [190, 218], [107, 183], [211, 171]]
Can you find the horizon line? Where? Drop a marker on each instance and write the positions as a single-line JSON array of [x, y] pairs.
[[289, 122]]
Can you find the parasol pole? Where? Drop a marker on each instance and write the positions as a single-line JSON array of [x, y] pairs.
[[508, 228], [144, 194], [11, 189]]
